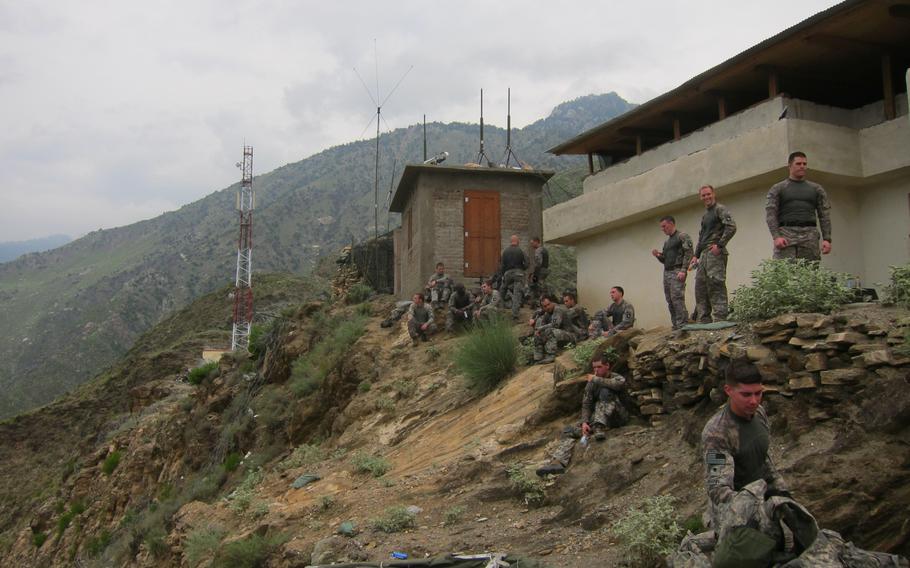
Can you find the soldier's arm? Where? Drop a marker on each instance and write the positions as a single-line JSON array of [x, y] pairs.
[[824, 213], [687, 250], [772, 211], [719, 470], [615, 382], [587, 403], [729, 226], [628, 319]]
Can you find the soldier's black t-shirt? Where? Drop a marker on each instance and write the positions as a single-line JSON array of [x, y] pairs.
[[754, 440]]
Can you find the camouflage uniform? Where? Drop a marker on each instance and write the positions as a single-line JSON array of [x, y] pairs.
[[439, 293], [541, 271], [600, 407], [791, 210], [460, 309], [675, 257], [613, 319], [401, 308], [551, 329], [488, 306], [417, 316], [513, 266], [717, 228], [578, 322]]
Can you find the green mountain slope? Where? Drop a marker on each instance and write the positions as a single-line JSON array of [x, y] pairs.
[[70, 312]]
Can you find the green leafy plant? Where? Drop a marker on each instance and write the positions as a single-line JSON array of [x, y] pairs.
[[241, 498], [202, 543], [487, 355], [395, 519], [202, 372], [358, 293], [531, 488], [39, 538], [364, 309], [250, 552], [258, 339], [785, 286], [310, 370], [405, 388], [649, 532], [584, 352], [304, 454], [453, 516], [384, 403], [326, 502], [376, 466], [232, 461], [364, 386], [111, 462], [96, 544], [898, 290]]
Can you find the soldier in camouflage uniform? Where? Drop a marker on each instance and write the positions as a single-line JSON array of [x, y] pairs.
[[538, 278], [461, 307], [791, 211], [577, 316], [552, 328], [439, 287], [600, 409], [675, 256], [619, 316], [513, 264], [717, 228], [488, 304], [420, 320]]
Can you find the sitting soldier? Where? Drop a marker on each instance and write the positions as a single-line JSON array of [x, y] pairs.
[[460, 308], [601, 408], [577, 316], [488, 304], [619, 316], [420, 320], [439, 287], [553, 328]]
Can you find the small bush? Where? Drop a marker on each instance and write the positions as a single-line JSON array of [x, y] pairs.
[[154, 540], [364, 309], [110, 462], [488, 355], [530, 487], [584, 351], [898, 290], [453, 516], [250, 552], [649, 533], [367, 463], [232, 461], [785, 286], [304, 454], [258, 335], [383, 403], [693, 524], [395, 519], [202, 372], [241, 498], [39, 538], [326, 502], [310, 369], [364, 387], [202, 543], [358, 293], [96, 545], [405, 388]]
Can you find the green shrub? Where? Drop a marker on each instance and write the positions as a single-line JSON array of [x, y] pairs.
[[898, 290], [383, 403], [364, 387], [232, 461], [96, 544], [154, 540], [202, 543], [364, 309], [368, 463], [111, 462], [358, 293], [39, 538], [202, 372], [326, 502], [487, 355], [405, 388], [693, 524], [250, 552], [304, 454], [649, 533], [786, 286], [395, 519], [453, 516], [241, 498], [258, 334], [529, 486], [584, 352], [310, 369]]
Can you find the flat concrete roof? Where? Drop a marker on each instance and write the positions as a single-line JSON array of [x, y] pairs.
[[412, 171], [837, 57]]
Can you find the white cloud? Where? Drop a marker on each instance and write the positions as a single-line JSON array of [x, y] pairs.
[[114, 112]]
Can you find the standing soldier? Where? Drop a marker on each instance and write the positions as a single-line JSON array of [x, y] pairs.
[[512, 267], [538, 278], [792, 209], [717, 228], [675, 256]]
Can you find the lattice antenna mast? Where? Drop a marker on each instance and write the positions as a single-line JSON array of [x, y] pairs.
[[481, 154], [243, 281], [509, 152]]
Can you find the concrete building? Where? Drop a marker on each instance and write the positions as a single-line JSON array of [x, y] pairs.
[[833, 86], [463, 217]]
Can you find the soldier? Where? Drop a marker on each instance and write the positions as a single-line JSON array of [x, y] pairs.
[[600, 409], [675, 257], [791, 211], [577, 316], [619, 316], [512, 267], [460, 307], [488, 304], [553, 327], [439, 286], [420, 320], [538, 278], [717, 228]]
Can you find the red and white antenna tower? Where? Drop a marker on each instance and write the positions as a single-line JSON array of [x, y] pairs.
[[243, 283]]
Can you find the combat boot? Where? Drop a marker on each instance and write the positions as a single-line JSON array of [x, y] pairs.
[[600, 432]]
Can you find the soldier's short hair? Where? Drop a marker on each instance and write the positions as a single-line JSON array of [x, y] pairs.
[[621, 291], [442, 264], [569, 295], [459, 288], [535, 239], [668, 218], [709, 186], [420, 295], [548, 297], [742, 372], [488, 282], [794, 155]]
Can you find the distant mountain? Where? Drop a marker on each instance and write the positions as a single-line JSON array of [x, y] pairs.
[[11, 250], [70, 312]]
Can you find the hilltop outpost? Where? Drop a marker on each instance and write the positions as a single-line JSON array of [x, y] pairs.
[[832, 86]]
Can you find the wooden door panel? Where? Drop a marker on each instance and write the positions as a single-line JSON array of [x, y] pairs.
[[481, 226]]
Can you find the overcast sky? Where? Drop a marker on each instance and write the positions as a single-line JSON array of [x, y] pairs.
[[117, 111]]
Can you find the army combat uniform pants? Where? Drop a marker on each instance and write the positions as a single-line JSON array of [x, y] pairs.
[[803, 243], [548, 342], [514, 281], [414, 329], [675, 293], [711, 286], [608, 412]]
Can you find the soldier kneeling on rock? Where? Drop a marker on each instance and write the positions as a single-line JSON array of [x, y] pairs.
[[601, 408]]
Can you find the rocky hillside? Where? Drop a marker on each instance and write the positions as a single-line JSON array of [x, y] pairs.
[[70, 312], [341, 441]]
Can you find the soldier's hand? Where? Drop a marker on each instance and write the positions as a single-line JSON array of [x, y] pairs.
[[693, 262], [655, 253], [781, 242], [715, 250], [681, 275], [585, 428], [826, 247]]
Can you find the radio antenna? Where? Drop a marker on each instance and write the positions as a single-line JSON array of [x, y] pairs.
[[481, 154], [509, 152]]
